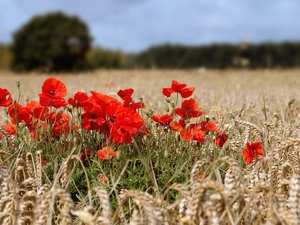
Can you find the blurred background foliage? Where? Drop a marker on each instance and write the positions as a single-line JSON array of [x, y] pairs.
[[51, 42], [222, 56], [57, 42], [5, 56]]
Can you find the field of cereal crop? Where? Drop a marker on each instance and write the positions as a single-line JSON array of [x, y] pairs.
[[227, 89], [163, 177]]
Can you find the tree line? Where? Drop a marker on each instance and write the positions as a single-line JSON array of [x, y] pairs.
[[221, 56], [216, 56], [58, 42]]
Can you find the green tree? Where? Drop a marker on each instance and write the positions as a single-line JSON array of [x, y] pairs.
[[51, 42], [105, 59], [5, 56]]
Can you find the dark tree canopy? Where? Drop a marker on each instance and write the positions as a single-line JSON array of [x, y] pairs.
[[221, 56], [51, 42]]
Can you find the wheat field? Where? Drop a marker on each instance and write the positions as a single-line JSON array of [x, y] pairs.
[[227, 89], [264, 104]]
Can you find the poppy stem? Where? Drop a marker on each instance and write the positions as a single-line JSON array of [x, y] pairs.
[[18, 84]]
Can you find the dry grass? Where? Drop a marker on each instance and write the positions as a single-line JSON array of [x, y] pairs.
[[229, 88], [265, 104]]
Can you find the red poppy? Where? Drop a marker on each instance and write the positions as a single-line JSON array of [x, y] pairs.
[[221, 139], [193, 132], [93, 119], [137, 105], [102, 99], [103, 179], [5, 97], [163, 120], [106, 153], [126, 96], [179, 88], [80, 100], [110, 84], [143, 131], [19, 113], [37, 110], [38, 129], [176, 126], [189, 109], [53, 93], [127, 123], [126, 93], [109, 104], [10, 129], [44, 162], [187, 92], [252, 151], [207, 126], [59, 123], [112, 109], [85, 154]]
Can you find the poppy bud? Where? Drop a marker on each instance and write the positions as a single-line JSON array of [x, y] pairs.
[[150, 112], [167, 108], [18, 84]]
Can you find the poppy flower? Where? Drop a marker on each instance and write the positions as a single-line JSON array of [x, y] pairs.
[[93, 119], [163, 120], [53, 93], [126, 96], [19, 113], [5, 97], [106, 153], [189, 109], [38, 129], [176, 126], [85, 154], [109, 104], [137, 105], [103, 179], [80, 100], [193, 132], [110, 84], [10, 129], [37, 110], [59, 123], [179, 88], [207, 126], [126, 93], [200, 176], [143, 131], [102, 99], [44, 162], [252, 151], [221, 139], [127, 123], [112, 109]]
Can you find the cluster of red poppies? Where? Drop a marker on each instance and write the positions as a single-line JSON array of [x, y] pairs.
[[102, 113], [188, 111], [118, 121]]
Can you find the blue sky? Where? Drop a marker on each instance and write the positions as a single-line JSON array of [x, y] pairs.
[[134, 25]]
